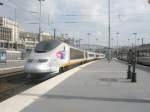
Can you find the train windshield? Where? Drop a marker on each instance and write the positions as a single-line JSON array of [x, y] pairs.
[[46, 46]]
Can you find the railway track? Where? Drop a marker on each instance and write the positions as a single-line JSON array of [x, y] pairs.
[[14, 84], [11, 72]]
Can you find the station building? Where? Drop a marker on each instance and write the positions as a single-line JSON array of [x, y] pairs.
[[9, 34], [30, 39]]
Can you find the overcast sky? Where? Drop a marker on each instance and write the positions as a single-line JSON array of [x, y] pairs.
[[79, 17]]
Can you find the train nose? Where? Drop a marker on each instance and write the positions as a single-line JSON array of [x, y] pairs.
[[36, 66], [37, 60]]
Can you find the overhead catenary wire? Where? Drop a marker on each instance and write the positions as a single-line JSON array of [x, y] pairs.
[[20, 8]]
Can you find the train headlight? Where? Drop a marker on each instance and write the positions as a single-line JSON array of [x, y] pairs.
[[42, 60]]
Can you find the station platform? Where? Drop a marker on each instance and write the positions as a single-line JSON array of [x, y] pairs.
[[11, 67], [11, 64], [98, 86]]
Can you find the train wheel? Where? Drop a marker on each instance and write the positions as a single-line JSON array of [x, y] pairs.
[[61, 70]]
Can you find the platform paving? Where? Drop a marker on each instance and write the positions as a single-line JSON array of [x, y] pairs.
[[12, 64], [99, 87]]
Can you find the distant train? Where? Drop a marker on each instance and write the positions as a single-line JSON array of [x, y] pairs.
[[142, 53], [53, 56], [9, 55]]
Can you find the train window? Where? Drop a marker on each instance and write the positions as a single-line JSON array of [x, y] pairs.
[[140, 53], [76, 54], [146, 53], [64, 48], [97, 55], [91, 55], [46, 46], [86, 54]]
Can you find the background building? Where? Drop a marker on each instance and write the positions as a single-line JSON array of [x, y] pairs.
[[46, 36], [5, 36], [30, 39], [10, 34], [93, 48]]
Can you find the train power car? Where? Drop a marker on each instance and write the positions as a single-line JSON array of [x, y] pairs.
[[52, 56]]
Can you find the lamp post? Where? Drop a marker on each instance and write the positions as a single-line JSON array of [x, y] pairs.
[[117, 42], [39, 36], [142, 41], [112, 43], [80, 42], [139, 41], [135, 35], [54, 33], [88, 40], [109, 33], [96, 45], [129, 43]]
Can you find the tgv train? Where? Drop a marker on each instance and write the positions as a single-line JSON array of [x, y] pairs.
[[142, 53], [52, 56]]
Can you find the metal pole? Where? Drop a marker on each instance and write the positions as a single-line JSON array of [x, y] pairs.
[[142, 41], [80, 42], [112, 43], [109, 31], [39, 36], [15, 29], [54, 33], [117, 42], [138, 41], [129, 43], [88, 41], [135, 34], [49, 24]]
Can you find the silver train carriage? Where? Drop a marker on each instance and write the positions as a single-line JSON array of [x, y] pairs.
[[143, 56], [52, 56], [9, 55]]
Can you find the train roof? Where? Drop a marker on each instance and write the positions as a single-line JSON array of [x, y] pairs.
[[47, 45], [53, 41]]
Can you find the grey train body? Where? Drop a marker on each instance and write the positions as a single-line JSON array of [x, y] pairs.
[[53, 55]]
